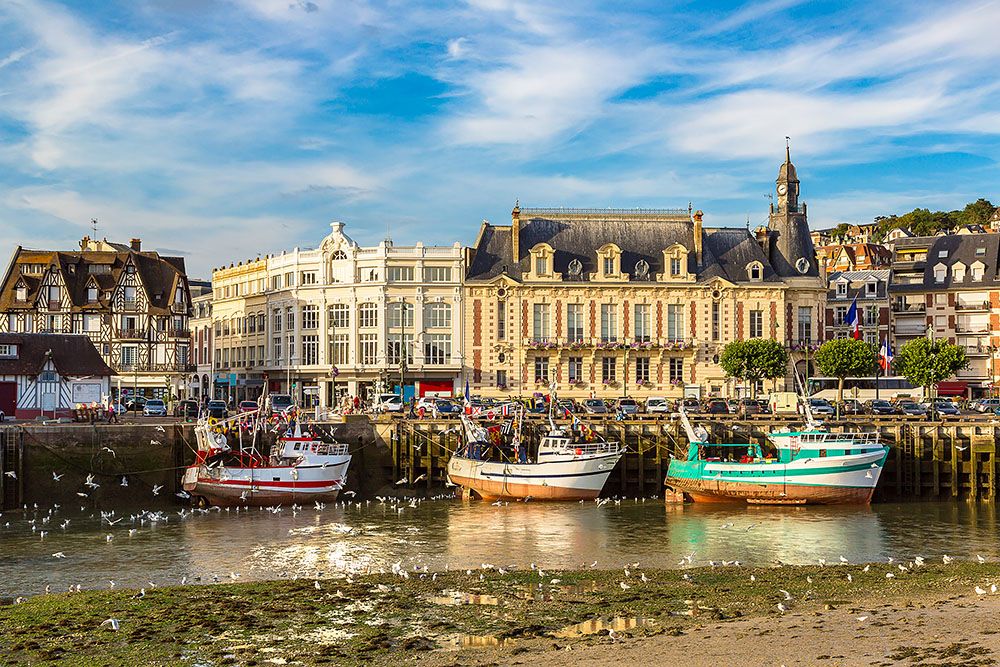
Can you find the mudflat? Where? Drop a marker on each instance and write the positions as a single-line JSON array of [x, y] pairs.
[[844, 614]]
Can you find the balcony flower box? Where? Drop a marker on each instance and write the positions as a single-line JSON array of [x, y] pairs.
[[676, 345], [677, 383], [645, 345], [576, 345], [542, 345], [609, 345], [803, 347]]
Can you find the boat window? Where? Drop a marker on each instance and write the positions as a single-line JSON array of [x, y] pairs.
[[297, 446], [822, 452]]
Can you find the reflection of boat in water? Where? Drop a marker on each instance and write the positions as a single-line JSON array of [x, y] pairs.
[[809, 466], [571, 463], [299, 469]]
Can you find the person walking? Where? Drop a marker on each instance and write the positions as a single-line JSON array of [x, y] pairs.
[[112, 414]]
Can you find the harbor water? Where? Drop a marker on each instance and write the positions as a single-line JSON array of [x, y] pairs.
[[170, 545]]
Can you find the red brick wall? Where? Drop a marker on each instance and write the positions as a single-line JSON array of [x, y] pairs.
[[477, 322]]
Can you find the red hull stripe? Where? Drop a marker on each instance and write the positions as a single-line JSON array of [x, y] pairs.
[[265, 482]]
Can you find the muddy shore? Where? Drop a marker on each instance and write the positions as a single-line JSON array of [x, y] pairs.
[[926, 614]]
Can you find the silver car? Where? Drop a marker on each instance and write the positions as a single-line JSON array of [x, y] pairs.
[[155, 408]]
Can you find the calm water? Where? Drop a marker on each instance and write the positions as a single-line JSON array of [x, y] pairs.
[[448, 533]]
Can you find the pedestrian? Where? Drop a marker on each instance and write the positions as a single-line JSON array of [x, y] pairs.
[[112, 413], [357, 403]]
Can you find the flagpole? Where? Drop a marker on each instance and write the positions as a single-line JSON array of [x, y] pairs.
[[876, 370]]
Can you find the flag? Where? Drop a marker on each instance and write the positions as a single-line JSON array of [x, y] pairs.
[[885, 355], [853, 320], [508, 427], [468, 396]]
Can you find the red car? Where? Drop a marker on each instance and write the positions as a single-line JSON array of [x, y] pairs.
[[247, 406]]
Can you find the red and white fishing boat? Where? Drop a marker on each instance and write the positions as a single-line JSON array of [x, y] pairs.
[[299, 468]]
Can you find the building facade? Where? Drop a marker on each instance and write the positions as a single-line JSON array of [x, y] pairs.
[[341, 320], [871, 289], [948, 287], [201, 346], [632, 302], [853, 257], [134, 304]]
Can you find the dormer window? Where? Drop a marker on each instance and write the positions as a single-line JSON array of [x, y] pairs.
[[609, 262], [675, 266], [977, 270], [940, 273], [980, 251], [21, 293], [541, 261], [755, 271], [91, 294], [942, 254], [8, 351], [958, 272], [871, 288], [675, 262], [541, 266], [609, 266], [842, 289]]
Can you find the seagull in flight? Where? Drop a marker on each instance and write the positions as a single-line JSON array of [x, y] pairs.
[[55, 477], [157, 489], [11, 474], [112, 623]]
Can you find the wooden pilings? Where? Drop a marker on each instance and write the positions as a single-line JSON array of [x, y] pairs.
[[927, 460]]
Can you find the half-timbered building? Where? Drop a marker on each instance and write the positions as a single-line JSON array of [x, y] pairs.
[[134, 305]]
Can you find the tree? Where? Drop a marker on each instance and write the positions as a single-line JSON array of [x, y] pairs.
[[754, 360], [843, 358], [924, 362], [978, 212]]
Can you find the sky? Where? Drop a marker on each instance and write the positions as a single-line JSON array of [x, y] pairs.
[[223, 129]]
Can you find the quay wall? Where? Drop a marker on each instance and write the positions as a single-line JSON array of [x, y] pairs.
[[146, 455]]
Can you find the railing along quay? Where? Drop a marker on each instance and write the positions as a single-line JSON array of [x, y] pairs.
[[954, 458]]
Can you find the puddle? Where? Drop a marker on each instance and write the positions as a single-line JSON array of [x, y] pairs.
[[458, 598], [600, 625], [472, 641]]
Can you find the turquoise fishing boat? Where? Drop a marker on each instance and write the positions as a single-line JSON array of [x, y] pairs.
[[803, 466]]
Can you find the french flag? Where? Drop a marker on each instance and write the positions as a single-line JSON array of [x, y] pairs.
[[854, 320], [885, 355]]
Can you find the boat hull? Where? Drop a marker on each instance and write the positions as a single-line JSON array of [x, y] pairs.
[[580, 479], [834, 480], [266, 486]]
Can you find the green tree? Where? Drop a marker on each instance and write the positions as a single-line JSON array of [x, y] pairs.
[[843, 358], [754, 360], [924, 362], [978, 212]]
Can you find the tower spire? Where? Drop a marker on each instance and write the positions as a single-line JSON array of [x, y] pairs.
[[788, 150]]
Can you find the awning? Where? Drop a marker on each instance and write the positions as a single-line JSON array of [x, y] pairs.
[[956, 388]]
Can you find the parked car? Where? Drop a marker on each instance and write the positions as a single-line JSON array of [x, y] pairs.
[[628, 406], [427, 403], [595, 406], [912, 409], [750, 406], [186, 409], [851, 406], [717, 406], [246, 406], [987, 405], [217, 409], [657, 405], [691, 405], [135, 403], [446, 408], [880, 406], [154, 407], [734, 406], [821, 406], [565, 404], [279, 402], [388, 403], [944, 407]]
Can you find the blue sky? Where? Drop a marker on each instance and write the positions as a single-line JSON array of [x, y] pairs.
[[226, 128]]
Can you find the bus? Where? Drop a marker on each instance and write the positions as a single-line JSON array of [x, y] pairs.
[[863, 388]]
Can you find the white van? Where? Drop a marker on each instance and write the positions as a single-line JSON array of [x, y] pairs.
[[657, 404], [783, 403], [388, 403]]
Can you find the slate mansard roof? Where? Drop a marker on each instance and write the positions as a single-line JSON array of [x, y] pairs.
[[959, 248], [726, 252]]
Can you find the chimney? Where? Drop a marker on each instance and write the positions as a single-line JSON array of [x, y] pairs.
[[515, 231], [697, 237], [136, 244], [763, 235]]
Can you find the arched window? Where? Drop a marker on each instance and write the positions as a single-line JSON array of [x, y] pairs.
[[339, 254], [755, 271], [438, 315]]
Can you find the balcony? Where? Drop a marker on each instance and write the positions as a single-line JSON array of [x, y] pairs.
[[647, 343], [132, 334], [908, 308], [910, 328], [54, 306], [977, 350], [972, 328], [972, 305]]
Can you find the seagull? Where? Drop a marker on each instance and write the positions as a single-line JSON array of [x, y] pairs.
[[980, 590], [156, 489], [58, 554], [866, 568], [869, 475], [109, 451], [161, 429], [850, 578], [946, 559], [183, 495], [782, 608], [317, 586], [980, 559], [402, 481], [624, 586], [961, 449], [112, 622], [993, 588], [788, 596], [918, 560], [350, 494], [889, 575], [155, 442], [862, 618], [243, 496], [90, 482], [421, 477], [124, 481], [56, 477], [82, 495], [11, 474]]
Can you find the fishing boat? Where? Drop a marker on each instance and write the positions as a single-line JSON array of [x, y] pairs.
[[299, 468], [571, 463], [810, 465]]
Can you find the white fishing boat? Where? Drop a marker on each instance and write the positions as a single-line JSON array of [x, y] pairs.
[[571, 463], [297, 469]]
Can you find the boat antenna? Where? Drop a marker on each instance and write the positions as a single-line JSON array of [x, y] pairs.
[[806, 408]]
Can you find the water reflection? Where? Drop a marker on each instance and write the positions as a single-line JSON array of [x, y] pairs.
[[439, 535]]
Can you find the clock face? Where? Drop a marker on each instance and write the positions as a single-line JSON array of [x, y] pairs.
[[782, 189]]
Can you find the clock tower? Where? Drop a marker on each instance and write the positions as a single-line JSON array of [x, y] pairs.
[[793, 254]]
